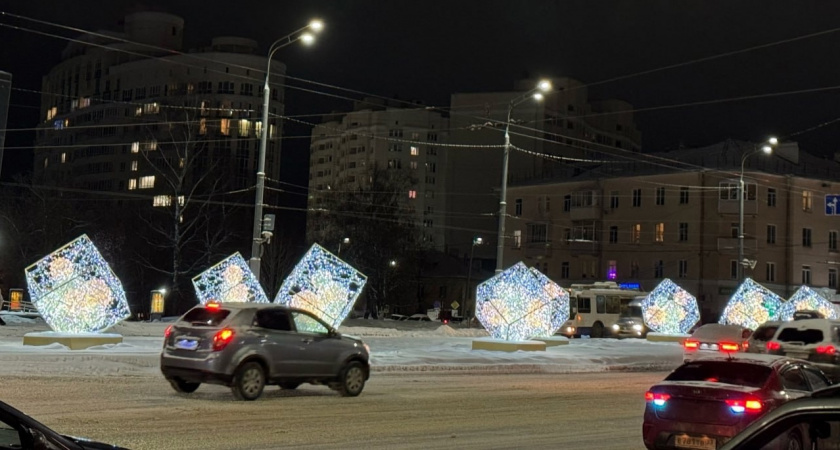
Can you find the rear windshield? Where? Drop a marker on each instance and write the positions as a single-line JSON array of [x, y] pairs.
[[719, 332], [204, 316], [808, 336], [742, 374]]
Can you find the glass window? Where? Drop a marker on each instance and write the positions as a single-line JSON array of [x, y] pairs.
[[806, 336], [794, 379], [9, 436], [204, 316], [741, 374], [273, 319], [584, 305], [613, 305], [660, 196], [304, 323], [815, 378], [600, 304]]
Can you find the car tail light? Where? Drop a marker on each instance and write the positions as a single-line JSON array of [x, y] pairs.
[[728, 346], [657, 398], [691, 345], [826, 350], [222, 339], [212, 305], [748, 405], [773, 345], [167, 332]]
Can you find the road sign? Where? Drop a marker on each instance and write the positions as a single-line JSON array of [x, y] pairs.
[[455, 305], [268, 222], [832, 205]]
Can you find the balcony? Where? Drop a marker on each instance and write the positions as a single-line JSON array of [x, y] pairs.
[[583, 247], [729, 246], [585, 212], [537, 249]]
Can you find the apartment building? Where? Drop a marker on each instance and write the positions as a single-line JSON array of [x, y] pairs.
[[394, 136], [567, 126], [676, 215], [117, 96]]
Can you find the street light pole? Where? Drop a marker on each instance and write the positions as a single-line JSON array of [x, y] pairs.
[[469, 300], [257, 242], [536, 93], [767, 149]]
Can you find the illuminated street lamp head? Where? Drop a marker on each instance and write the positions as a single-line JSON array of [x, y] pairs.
[[316, 25], [767, 149], [773, 141], [307, 38], [538, 96], [478, 241], [392, 263], [544, 85], [346, 240]]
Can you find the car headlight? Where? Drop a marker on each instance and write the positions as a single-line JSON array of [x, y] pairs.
[[616, 327], [637, 327]]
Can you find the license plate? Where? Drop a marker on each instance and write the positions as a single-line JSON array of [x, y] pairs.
[[186, 344], [703, 443]]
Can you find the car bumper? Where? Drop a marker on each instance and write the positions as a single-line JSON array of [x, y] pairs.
[[664, 435], [210, 369], [196, 376]]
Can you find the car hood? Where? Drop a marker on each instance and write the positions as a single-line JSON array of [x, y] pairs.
[[630, 321]]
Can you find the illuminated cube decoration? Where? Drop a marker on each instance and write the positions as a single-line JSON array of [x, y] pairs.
[[751, 305], [558, 312], [670, 309], [807, 299], [518, 304], [324, 285], [76, 291], [229, 281]]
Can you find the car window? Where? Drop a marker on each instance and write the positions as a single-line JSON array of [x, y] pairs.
[[765, 332], [742, 374], [204, 316], [9, 436], [794, 379], [824, 426], [815, 378], [308, 324], [807, 336], [273, 319]]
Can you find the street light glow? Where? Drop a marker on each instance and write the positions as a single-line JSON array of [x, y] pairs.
[[773, 141], [307, 38], [538, 96], [544, 86], [316, 25], [767, 149]]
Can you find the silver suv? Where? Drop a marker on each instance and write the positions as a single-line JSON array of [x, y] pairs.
[[248, 345], [815, 340]]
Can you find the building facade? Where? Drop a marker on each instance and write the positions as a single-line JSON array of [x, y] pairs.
[[676, 215]]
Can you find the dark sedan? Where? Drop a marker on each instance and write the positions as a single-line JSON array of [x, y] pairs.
[[705, 402], [17, 430]]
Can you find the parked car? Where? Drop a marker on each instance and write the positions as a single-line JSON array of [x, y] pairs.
[[248, 345], [816, 419], [17, 430], [705, 402], [715, 339], [815, 340], [764, 333]]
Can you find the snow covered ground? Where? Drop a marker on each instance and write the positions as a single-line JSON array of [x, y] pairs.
[[395, 347]]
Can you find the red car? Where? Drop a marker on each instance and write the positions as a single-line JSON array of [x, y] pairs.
[[704, 402]]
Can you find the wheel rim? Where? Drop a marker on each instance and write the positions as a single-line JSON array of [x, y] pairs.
[[354, 379], [251, 382]]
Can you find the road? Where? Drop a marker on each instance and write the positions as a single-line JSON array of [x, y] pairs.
[[411, 410]]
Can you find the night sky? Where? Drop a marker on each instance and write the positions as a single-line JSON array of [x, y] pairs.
[[426, 50]]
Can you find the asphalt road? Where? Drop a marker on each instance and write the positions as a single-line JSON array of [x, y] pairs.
[[411, 410]]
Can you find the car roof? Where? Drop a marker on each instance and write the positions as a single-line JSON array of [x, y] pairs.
[[750, 358]]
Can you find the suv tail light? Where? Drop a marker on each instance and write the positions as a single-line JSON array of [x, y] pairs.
[[657, 398], [826, 350], [167, 332], [773, 345], [748, 405], [222, 339], [728, 346], [212, 305], [690, 345]]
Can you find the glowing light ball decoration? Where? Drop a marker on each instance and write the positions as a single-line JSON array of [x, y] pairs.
[[670, 309], [751, 305], [76, 291], [229, 281], [514, 305], [324, 285], [807, 299], [556, 315]]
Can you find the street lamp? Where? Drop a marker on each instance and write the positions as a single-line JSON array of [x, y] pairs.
[[476, 241], [537, 94], [304, 35], [766, 149], [344, 241]]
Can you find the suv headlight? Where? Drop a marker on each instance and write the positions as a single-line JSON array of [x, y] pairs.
[[637, 327]]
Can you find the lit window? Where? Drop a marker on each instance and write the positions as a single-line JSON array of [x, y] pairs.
[[637, 233], [517, 239], [135, 147], [181, 200], [258, 128], [63, 158], [84, 102], [138, 111], [151, 145], [412, 194], [134, 166], [660, 232], [202, 126], [151, 108], [161, 200], [272, 131], [132, 184], [807, 200], [224, 127], [415, 151], [46, 162], [52, 112], [147, 182], [244, 127]]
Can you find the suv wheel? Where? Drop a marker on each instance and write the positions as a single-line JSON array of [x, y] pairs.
[[352, 379], [184, 387], [248, 381]]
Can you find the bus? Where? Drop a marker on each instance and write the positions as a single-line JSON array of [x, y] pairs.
[[593, 308]]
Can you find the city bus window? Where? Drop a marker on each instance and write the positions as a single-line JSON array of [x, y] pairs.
[[584, 305], [613, 305], [599, 304]]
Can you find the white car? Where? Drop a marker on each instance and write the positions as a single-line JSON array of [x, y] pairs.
[[716, 339]]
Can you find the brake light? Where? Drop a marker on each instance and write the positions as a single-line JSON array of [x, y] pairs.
[[826, 350], [222, 339], [739, 406], [691, 345], [167, 332], [212, 305], [773, 345], [728, 346], [657, 398]]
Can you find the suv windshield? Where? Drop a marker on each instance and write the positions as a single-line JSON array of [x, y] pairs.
[[809, 336], [204, 316], [765, 332], [631, 311], [742, 374]]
